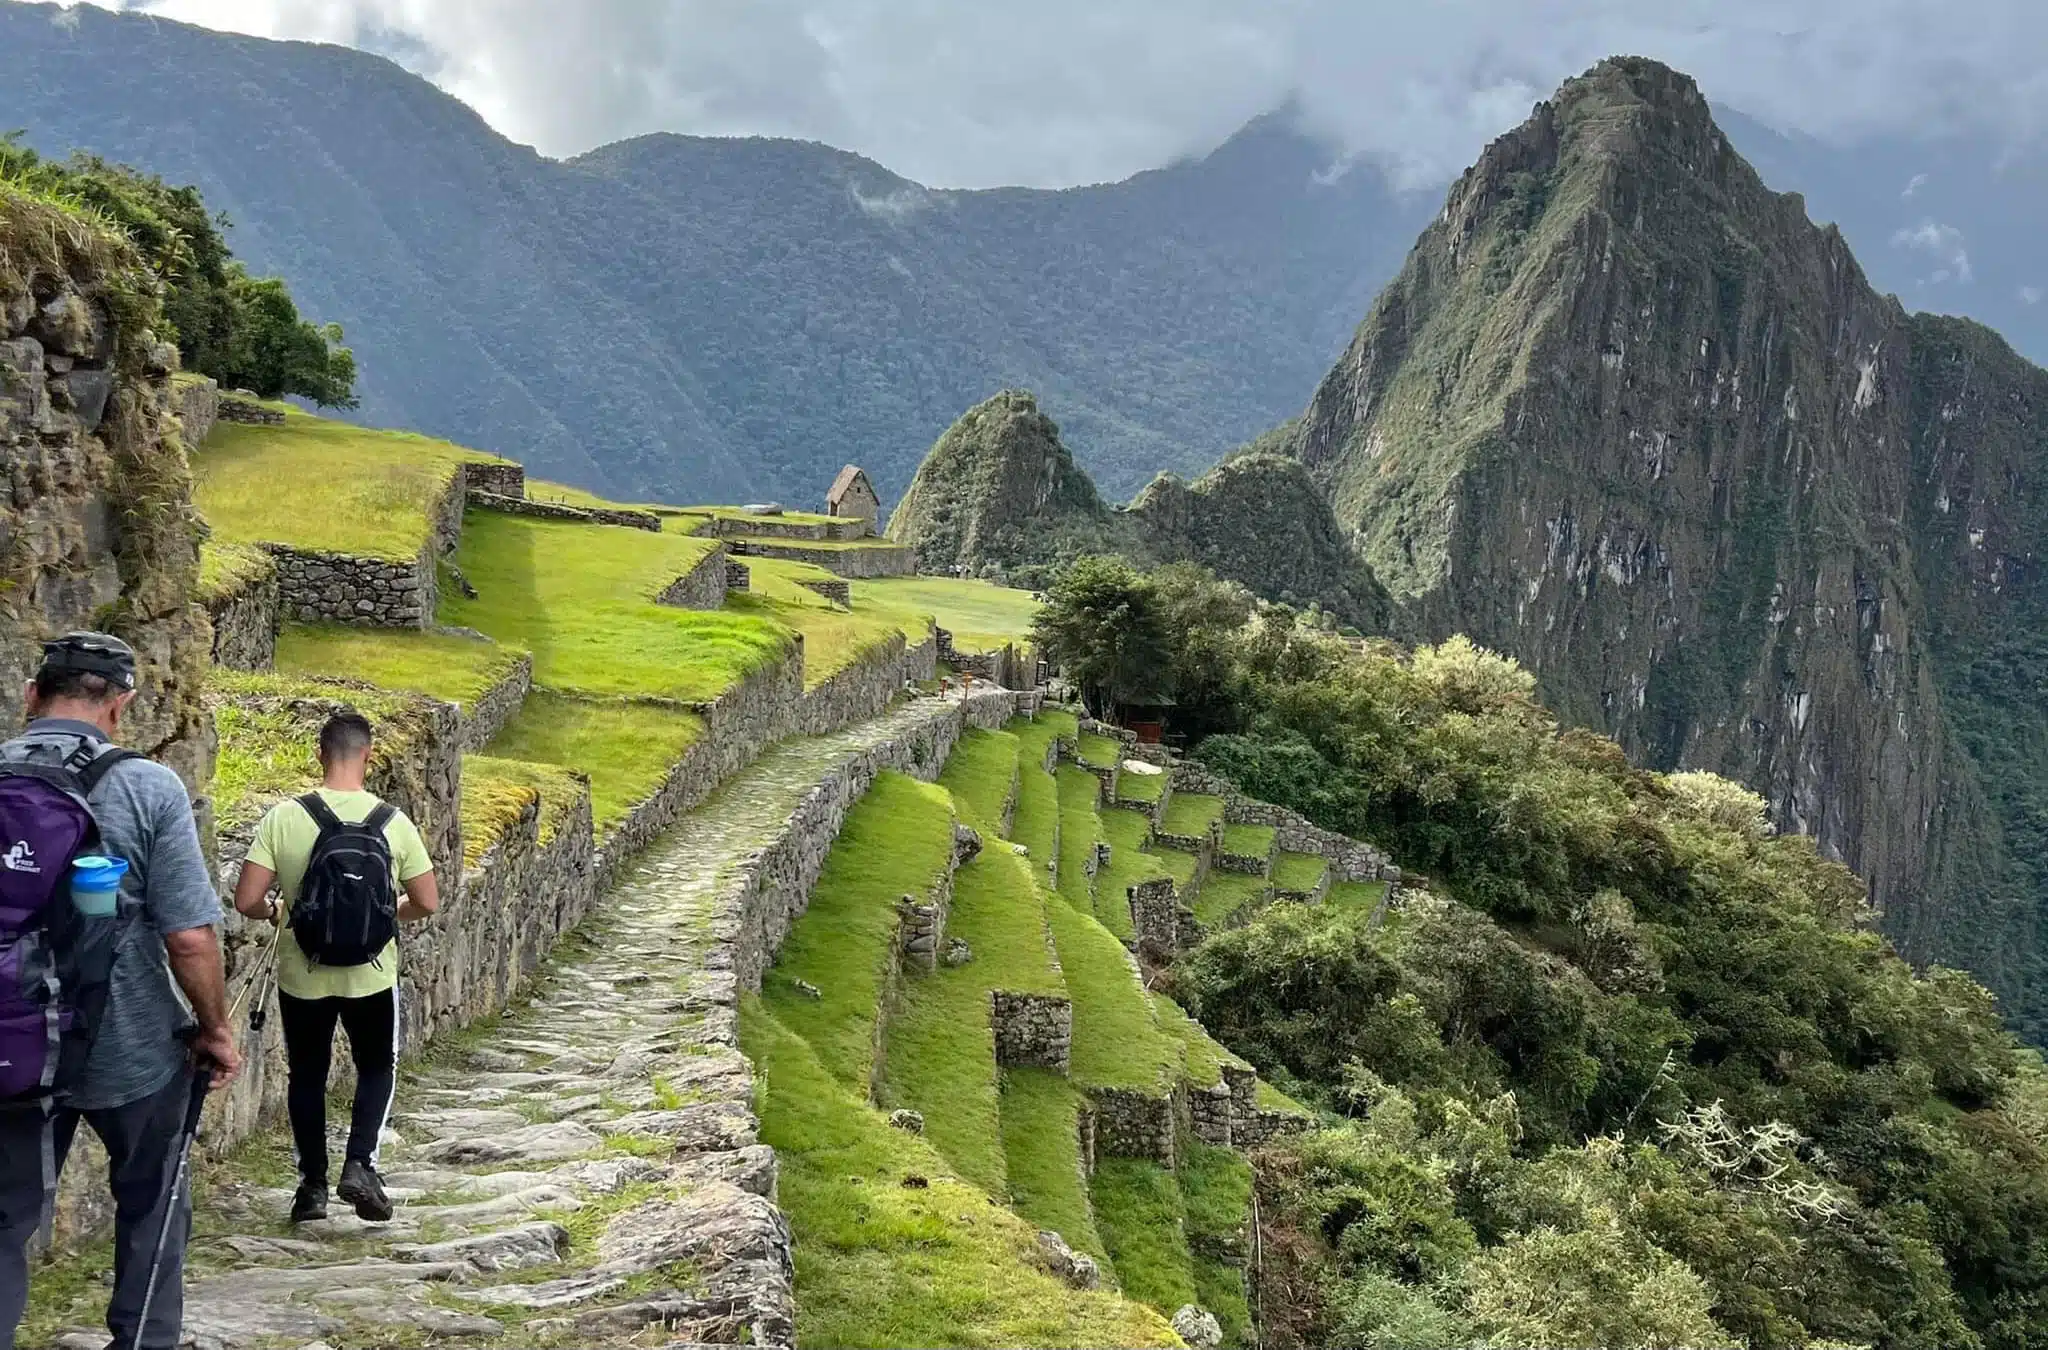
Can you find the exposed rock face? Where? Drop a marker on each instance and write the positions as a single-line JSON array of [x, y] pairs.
[[97, 519], [1259, 518], [1631, 416], [999, 487]]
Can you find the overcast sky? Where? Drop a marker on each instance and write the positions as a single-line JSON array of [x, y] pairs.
[[974, 93]]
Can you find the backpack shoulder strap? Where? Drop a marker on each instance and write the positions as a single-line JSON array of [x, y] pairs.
[[322, 814], [94, 769], [379, 817]]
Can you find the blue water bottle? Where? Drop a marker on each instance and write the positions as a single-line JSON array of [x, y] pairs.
[[96, 885]]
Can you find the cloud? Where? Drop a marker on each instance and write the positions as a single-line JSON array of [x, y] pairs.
[[1944, 242], [980, 92], [2030, 295], [1919, 181]]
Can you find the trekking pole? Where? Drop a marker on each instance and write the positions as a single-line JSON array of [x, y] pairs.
[[202, 1079]]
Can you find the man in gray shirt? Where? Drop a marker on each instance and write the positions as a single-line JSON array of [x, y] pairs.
[[166, 1004]]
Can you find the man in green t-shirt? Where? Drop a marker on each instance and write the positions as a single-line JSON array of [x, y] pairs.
[[312, 998]]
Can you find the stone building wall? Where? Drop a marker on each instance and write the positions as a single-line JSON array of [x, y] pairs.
[[245, 623], [1032, 1030], [484, 718], [878, 560], [702, 587], [1209, 1114]]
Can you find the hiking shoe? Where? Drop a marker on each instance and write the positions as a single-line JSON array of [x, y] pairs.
[[310, 1202], [362, 1187]]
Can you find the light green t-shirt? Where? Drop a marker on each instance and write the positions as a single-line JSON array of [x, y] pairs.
[[284, 844]]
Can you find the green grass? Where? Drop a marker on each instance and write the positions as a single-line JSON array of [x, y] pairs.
[[1248, 841], [1202, 1059], [896, 841], [790, 517], [1080, 828], [1299, 871], [882, 1264], [496, 792], [1216, 1186], [457, 669], [1116, 1042], [980, 616], [269, 729], [1036, 825], [540, 490], [1223, 894], [1129, 864], [626, 749], [1101, 751], [326, 486], [1191, 813], [1177, 864], [581, 599], [981, 775], [1271, 1098], [1042, 1146], [225, 569], [941, 1049], [1141, 1215], [833, 637], [1133, 786], [1355, 894]]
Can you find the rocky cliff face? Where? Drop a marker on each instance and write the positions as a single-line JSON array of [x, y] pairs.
[[97, 528], [1631, 416]]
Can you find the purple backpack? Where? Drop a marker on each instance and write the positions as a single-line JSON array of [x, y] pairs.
[[55, 963]]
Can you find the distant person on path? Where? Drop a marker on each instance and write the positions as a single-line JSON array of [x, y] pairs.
[[143, 986], [338, 857]]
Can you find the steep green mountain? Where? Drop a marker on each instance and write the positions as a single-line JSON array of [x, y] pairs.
[[686, 319], [1629, 415], [1000, 495]]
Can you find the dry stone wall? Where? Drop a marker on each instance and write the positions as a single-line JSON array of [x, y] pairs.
[[487, 500], [876, 560], [1350, 859], [1032, 1030], [1161, 925], [737, 577], [197, 402], [702, 587], [781, 527], [484, 718], [245, 622], [837, 591], [242, 407], [338, 588], [1132, 1124], [499, 479]]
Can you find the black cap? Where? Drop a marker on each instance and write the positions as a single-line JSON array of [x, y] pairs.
[[100, 654]]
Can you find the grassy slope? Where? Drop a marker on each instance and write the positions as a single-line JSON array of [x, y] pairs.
[[896, 841], [980, 616], [1038, 799], [1129, 864], [1143, 1219], [1191, 813], [321, 485], [1080, 828], [981, 775], [269, 733], [626, 749], [1133, 786], [882, 1264], [833, 637], [1216, 1183], [1299, 871], [1355, 894], [1116, 1042], [592, 624], [1248, 841], [1042, 1146], [453, 668], [1101, 751], [1223, 894]]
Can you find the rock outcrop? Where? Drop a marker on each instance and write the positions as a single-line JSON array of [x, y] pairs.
[[1632, 417]]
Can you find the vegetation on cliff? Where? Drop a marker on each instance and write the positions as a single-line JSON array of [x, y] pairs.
[[241, 330]]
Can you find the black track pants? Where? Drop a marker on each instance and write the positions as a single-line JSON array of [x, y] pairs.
[[372, 1026]]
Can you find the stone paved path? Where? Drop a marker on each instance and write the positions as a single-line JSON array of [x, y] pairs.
[[584, 1174]]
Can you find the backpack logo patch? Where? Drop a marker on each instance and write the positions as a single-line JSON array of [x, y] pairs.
[[20, 858]]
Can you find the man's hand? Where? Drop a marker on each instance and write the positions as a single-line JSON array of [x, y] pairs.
[[216, 1049]]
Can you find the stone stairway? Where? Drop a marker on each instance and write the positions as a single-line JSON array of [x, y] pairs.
[[584, 1173]]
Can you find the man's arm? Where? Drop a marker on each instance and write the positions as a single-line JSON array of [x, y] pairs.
[[422, 897], [252, 891], [196, 962]]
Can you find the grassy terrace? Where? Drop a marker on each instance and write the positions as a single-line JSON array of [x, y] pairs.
[[1042, 1146], [1129, 864], [980, 616], [1101, 751], [626, 748], [1038, 803], [593, 627], [326, 486], [496, 792], [1116, 1042], [1216, 1184], [1143, 1220], [881, 1263], [981, 775], [1355, 894], [1201, 1055], [1080, 828], [1299, 871], [1140, 787], [1225, 893], [269, 728], [896, 841], [457, 669], [226, 568], [1248, 841], [833, 637], [1191, 813]]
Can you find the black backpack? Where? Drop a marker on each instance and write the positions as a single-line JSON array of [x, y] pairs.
[[347, 910]]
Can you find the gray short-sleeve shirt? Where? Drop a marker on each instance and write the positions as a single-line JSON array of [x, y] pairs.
[[145, 817]]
